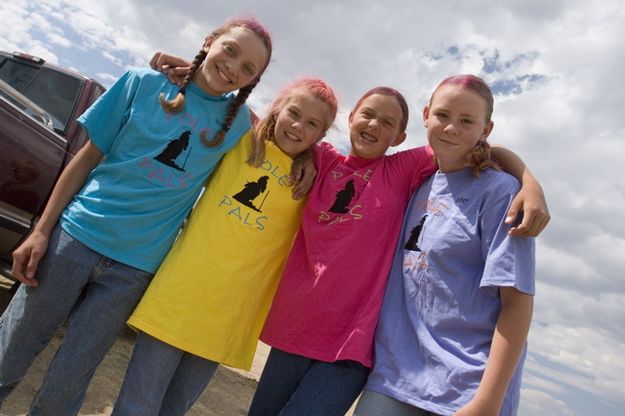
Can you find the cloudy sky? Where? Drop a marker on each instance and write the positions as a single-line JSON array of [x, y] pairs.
[[557, 70]]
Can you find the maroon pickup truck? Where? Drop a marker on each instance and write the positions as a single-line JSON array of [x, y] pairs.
[[39, 105]]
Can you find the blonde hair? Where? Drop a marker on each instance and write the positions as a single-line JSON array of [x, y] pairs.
[[177, 103], [264, 129]]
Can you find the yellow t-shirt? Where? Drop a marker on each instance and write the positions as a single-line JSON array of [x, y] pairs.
[[212, 292]]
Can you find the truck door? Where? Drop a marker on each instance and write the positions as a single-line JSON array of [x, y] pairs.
[[31, 151]]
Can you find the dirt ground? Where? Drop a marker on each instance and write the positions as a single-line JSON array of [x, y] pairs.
[[228, 394]]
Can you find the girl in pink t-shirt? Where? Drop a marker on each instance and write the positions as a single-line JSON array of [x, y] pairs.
[[324, 314]]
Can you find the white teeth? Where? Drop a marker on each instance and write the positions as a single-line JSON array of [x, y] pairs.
[[291, 136], [368, 137], [223, 76]]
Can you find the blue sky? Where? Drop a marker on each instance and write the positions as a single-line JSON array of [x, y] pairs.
[[556, 68]]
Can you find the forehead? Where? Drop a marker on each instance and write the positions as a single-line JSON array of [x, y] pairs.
[[384, 105], [252, 46], [308, 104], [459, 99]]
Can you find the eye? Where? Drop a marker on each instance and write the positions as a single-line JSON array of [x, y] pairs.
[[388, 123], [312, 124], [229, 49], [467, 121]]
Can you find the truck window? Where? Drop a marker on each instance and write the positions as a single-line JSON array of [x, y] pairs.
[[51, 90]]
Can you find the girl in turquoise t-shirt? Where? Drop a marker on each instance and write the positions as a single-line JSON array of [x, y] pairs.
[[140, 173]]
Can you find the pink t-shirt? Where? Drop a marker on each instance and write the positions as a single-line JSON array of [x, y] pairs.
[[329, 298]]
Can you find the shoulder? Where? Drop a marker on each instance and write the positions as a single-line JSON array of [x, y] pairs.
[[500, 181], [242, 121], [496, 187], [146, 74], [141, 78], [420, 153]]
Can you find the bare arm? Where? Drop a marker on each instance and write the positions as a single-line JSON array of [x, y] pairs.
[[26, 257], [530, 200], [303, 174], [174, 67], [506, 349]]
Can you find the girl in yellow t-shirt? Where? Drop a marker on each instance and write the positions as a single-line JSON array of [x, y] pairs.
[[208, 301]]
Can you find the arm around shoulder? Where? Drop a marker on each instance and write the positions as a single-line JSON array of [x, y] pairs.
[[530, 200]]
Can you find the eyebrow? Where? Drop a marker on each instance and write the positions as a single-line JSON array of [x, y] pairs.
[[291, 105], [445, 110]]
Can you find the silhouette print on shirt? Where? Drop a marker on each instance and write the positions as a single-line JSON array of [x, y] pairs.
[[411, 244], [251, 190], [174, 149], [343, 198]]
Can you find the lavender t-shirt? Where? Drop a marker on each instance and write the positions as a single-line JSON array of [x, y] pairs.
[[442, 302]]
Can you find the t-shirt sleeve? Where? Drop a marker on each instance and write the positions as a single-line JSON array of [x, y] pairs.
[[412, 167], [323, 154], [509, 261], [108, 114]]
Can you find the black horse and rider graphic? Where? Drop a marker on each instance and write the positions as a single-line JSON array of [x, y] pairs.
[[174, 149], [412, 243], [343, 198], [251, 190]]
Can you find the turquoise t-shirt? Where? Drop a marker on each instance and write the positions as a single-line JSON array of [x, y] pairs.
[[155, 165]]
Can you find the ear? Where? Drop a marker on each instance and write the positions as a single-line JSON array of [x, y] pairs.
[[487, 129], [207, 43], [399, 139], [426, 115]]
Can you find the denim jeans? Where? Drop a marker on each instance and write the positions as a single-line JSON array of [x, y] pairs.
[[162, 380], [292, 385], [372, 403], [94, 294]]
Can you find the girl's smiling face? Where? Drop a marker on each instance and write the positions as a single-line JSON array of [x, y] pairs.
[[455, 121], [233, 60], [375, 126], [302, 122]]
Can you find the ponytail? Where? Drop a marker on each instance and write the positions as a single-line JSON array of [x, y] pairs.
[[480, 158]]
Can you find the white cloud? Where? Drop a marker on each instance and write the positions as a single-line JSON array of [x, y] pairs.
[[536, 402]]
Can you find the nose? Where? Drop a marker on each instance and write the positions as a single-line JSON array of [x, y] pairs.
[[297, 125], [232, 70], [450, 128], [373, 124]]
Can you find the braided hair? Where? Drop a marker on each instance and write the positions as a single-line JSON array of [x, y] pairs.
[[177, 104]]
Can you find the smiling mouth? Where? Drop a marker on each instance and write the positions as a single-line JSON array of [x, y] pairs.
[[368, 138], [447, 141], [223, 75], [292, 136]]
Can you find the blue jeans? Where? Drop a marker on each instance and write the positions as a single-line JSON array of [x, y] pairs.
[[372, 403], [292, 385], [162, 380], [96, 293]]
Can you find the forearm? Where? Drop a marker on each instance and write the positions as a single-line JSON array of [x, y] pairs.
[[530, 199], [71, 180], [507, 346]]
